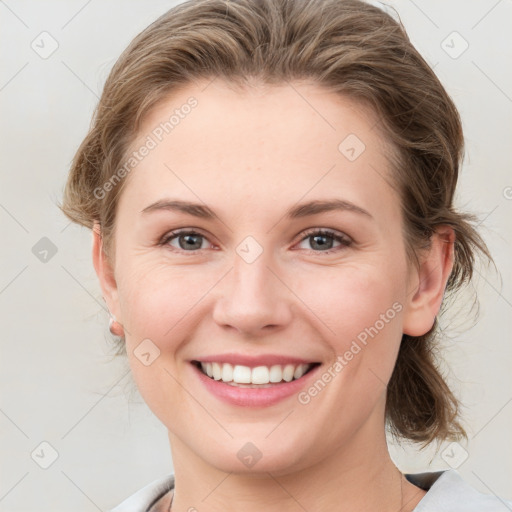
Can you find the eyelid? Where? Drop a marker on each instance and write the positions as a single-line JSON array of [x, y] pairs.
[[167, 237], [326, 231], [344, 240]]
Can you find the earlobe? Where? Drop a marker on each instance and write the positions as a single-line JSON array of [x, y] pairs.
[[105, 272], [426, 293]]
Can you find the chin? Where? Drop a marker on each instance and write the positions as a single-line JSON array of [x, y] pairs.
[[244, 457]]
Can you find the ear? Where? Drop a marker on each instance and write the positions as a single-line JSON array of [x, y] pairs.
[[428, 283], [105, 272]]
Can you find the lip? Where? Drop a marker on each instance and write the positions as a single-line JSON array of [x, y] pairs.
[[253, 397], [253, 361]]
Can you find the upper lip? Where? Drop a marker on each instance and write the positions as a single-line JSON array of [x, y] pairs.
[[253, 361]]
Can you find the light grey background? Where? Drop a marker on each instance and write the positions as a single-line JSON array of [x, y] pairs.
[[58, 383]]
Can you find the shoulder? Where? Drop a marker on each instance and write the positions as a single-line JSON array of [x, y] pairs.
[[144, 498], [447, 491]]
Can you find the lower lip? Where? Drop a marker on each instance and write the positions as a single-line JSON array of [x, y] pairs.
[[254, 397]]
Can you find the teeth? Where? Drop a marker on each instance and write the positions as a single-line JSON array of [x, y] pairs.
[[299, 371], [288, 372], [260, 375], [276, 373], [227, 372], [242, 374], [217, 371]]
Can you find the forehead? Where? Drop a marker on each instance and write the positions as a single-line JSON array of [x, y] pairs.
[[211, 141]]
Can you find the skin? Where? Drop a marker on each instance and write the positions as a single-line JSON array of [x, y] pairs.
[[264, 149]]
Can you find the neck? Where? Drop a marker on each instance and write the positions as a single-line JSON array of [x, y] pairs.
[[359, 475]]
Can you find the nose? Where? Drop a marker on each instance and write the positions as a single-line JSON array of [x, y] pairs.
[[254, 299]]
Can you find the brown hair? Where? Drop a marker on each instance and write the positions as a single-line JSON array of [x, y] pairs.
[[349, 47]]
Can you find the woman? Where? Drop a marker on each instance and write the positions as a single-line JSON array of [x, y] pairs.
[[270, 187]]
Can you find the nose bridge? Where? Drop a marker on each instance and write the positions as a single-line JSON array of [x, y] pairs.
[[253, 278], [253, 297]]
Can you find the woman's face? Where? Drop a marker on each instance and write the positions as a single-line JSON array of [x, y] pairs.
[[255, 285]]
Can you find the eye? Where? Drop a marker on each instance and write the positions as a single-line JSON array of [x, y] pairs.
[[322, 240], [188, 241]]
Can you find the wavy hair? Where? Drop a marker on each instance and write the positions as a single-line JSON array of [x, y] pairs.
[[349, 47]]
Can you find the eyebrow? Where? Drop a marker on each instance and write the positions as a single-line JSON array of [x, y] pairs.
[[298, 211]]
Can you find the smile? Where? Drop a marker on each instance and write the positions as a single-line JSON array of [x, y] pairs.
[[259, 376], [260, 381]]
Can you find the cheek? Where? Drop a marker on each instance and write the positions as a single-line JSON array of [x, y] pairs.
[[362, 307], [354, 299], [158, 301]]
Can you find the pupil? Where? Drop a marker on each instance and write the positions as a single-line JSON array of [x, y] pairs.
[[189, 244], [321, 245]]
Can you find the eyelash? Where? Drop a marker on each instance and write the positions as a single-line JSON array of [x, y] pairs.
[[342, 239]]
